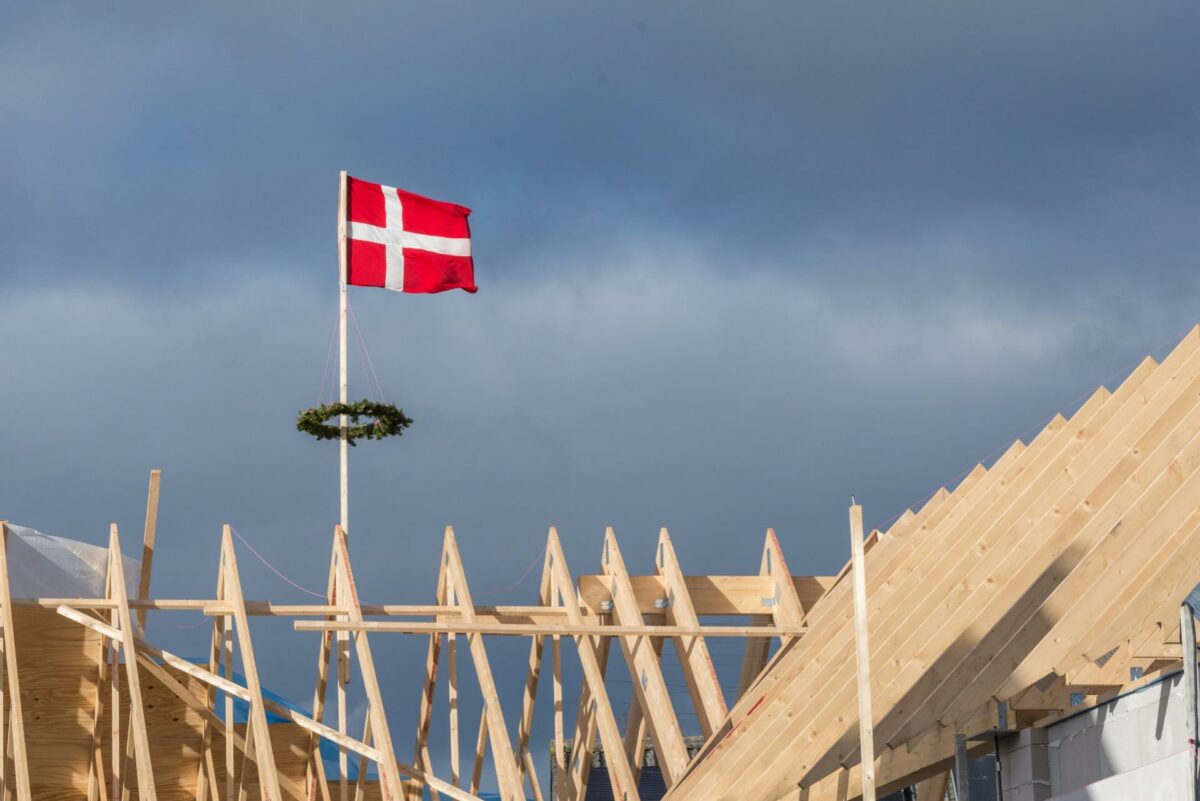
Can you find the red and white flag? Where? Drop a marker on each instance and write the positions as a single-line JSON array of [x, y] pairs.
[[405, 242]]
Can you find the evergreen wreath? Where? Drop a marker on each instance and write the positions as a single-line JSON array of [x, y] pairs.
[[389, 421]]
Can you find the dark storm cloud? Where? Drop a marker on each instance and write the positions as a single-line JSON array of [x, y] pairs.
[[737, 261]]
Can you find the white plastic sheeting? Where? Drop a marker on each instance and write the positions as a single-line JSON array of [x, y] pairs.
[[44, 566]]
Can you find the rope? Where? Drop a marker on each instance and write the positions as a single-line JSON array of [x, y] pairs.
[[519, 581], [1124, 371], [328, 359], [274, 569], [362, 342]]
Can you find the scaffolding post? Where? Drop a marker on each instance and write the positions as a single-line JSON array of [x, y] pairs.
[[962, 772]]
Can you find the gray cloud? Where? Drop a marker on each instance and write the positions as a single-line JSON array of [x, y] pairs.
[[736, 263]]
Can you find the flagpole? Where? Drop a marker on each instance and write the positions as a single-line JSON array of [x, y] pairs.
[[343, 394], [343, 640]]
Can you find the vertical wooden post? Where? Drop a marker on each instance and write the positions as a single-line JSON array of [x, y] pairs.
[[866, 732], [148, 544], [206, 777], [560, 763], [316, 766], [452, 666], [97, 788], [429, 687], [1187, 641], [16, 727], [118, 763], [227, 656]]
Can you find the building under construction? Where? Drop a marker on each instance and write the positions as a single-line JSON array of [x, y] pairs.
[[1031, 613]]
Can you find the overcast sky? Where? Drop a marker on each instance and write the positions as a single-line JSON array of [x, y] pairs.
[[736, 262]]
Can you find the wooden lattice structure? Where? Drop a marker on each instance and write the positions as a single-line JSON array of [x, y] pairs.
[[1053, 574]]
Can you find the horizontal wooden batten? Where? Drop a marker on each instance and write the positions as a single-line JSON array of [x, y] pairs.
[[533, 630], [710, 595]]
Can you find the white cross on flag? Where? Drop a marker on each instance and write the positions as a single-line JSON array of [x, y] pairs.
[[405, 242]]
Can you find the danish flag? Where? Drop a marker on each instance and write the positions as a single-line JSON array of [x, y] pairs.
[[406, 242]]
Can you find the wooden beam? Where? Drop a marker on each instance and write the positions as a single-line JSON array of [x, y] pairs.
[[316, 780], [389, 771], [429, 686], [863, 653], [606, 723], [532, 678], [694, 657], [97, 788], [16, 727], [711, 595], [268, 776], [569, 630], [507, 771], [648, 683], [148, 535], [139, 736]]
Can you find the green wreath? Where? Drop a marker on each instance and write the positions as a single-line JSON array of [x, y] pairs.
[[389, 421]]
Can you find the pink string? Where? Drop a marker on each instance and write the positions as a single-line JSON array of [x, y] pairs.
[[362, 343], [519, 581], [203, 620], [274, 569], [1174, 338], [328, 359]]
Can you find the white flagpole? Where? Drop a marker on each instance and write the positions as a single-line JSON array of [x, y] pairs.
[[343, 641], [344, 492]]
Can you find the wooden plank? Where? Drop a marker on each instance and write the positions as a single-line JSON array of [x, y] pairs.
[[637, 729], [863, 654], [389, 771], [606, 723], [694, 657], [480, 750], [503, 756], [429, 687], [16, 727], [316, 780], [97, 787], [711, 595], [644, 669], [139, 736], [559, 754], [268, 776], [148, 536], [586, 727], [532, 678], [537, 629]]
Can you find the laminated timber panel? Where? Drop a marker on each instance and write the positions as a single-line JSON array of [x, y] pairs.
[[932, 629], [1093, 499], [752, 733], [57, 660], [806, 710], [949, 566]]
